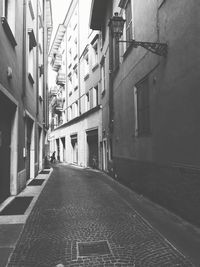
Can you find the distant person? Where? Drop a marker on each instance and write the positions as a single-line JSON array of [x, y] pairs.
[[94, 162], [53, 157]]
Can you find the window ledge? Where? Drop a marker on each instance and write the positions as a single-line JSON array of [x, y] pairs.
[[30, 77], [8, 31]]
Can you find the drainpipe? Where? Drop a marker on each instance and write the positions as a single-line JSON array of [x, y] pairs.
[[45, 67], [79, 61], [37, 62], [24, 53], [111, 105]]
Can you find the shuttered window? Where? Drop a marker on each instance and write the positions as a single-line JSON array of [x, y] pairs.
[[143, 107]]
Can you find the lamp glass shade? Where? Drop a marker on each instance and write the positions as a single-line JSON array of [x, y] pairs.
[[117, 25]]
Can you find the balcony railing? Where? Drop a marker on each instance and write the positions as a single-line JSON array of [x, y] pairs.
[[56, 62], [58, 105], [53, 91], [60, 80]]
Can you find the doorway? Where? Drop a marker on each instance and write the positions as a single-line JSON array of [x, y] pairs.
[[93, 152], [74, 142], [58, 149], [29, 129], [63, 149], [40, 152], [7, 112], [105, 155]]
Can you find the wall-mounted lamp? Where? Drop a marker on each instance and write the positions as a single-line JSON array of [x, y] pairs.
[[116, 24]]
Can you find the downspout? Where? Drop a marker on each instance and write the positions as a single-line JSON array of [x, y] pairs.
[[24, 53], [44, 64], [111, 105], [79, 62], [37, 63]]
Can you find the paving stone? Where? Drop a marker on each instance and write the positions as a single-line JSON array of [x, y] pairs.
[[76, 206]]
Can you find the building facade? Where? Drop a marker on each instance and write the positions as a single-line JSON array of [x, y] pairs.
[[75, 103], [154, 111], [25, 33]]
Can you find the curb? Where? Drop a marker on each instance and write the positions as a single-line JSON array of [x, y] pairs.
[[11, 226]]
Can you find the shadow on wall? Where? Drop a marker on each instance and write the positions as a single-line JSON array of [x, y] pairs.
[[175, 188]]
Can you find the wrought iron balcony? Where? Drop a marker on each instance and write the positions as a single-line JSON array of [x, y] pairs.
[[60, 80]]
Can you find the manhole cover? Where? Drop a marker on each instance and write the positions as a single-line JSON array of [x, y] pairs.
[[93, 248]]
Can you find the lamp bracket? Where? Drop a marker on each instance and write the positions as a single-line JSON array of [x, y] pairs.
[[156, 48]]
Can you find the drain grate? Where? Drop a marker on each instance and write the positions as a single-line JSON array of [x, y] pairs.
[[93, 248], [17, 207], [44, 172], [36, 182]]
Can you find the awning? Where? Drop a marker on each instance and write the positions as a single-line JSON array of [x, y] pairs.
[[98, 10]]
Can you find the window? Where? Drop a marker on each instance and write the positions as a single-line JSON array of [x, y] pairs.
[[70, 82], [40, 21], [75, 78], [70, 113], [143, 107], [76, 109], [103, 76], [31, 44], [9, 15], [87, 102], [86, 64], [94, 44], [75, 48], [95, 96], [69, 57]]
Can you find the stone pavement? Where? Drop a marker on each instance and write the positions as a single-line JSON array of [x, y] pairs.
[[76, 209], [11, 226]]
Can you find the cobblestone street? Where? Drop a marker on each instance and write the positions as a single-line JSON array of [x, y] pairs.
[[76, 207]]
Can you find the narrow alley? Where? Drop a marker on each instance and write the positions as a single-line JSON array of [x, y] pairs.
[[99, 133], [80, 219]]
